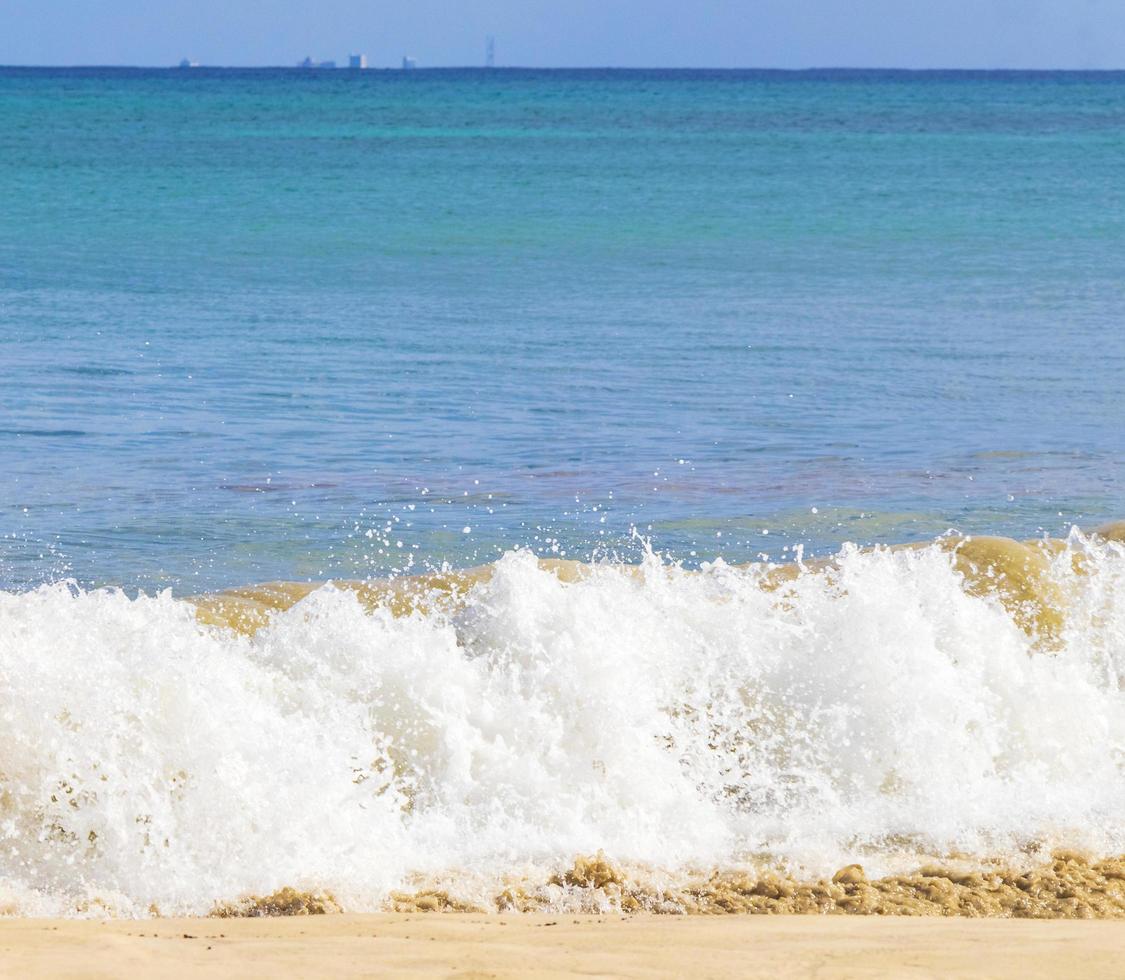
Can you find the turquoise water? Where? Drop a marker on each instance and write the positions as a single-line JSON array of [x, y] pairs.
[[273, 324]]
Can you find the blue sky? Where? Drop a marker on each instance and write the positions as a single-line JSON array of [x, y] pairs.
[[659, 33]]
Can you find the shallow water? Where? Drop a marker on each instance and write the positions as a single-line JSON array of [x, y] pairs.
[[267, 325]]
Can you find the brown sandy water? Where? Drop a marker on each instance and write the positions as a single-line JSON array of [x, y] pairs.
[[1069, 886], [1015, 571]]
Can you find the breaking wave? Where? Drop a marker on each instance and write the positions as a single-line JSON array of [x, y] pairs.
[[471, 734]]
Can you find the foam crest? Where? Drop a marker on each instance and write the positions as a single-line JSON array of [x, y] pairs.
[[475, 735]]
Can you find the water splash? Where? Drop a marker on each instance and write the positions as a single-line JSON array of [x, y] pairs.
[[464, 733]]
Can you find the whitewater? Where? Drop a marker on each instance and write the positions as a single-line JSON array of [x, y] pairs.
[[881, 707]]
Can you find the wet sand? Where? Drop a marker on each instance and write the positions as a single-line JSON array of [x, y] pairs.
[[466, 945]]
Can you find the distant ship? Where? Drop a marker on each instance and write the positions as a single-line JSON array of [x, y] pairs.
[[309, 63], [188, 63], [409, 63]]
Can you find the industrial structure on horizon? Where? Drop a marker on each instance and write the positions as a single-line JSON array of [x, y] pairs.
[[354, 61], [360, 62]]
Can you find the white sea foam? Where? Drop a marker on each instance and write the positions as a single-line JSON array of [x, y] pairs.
[[672, 720]]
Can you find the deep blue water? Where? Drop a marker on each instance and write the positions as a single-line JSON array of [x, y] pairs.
[[250, 318]]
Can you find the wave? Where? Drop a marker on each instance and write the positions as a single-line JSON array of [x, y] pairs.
[[470, 734]]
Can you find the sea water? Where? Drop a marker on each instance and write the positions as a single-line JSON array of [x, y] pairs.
[[304, 326]]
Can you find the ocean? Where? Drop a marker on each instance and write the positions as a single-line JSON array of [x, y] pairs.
[[666, 329]]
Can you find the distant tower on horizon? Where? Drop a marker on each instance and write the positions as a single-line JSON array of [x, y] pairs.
[[357, 61], [490, 52], [408, 63]]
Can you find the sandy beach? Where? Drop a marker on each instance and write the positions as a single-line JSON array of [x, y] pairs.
[[556, 946]]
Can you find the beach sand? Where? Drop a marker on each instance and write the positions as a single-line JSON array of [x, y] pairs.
[[466, 945]]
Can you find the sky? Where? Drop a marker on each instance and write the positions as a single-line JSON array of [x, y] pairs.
[[571, 33]]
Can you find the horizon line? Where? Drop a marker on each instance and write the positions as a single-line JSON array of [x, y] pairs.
[[340, 67]]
